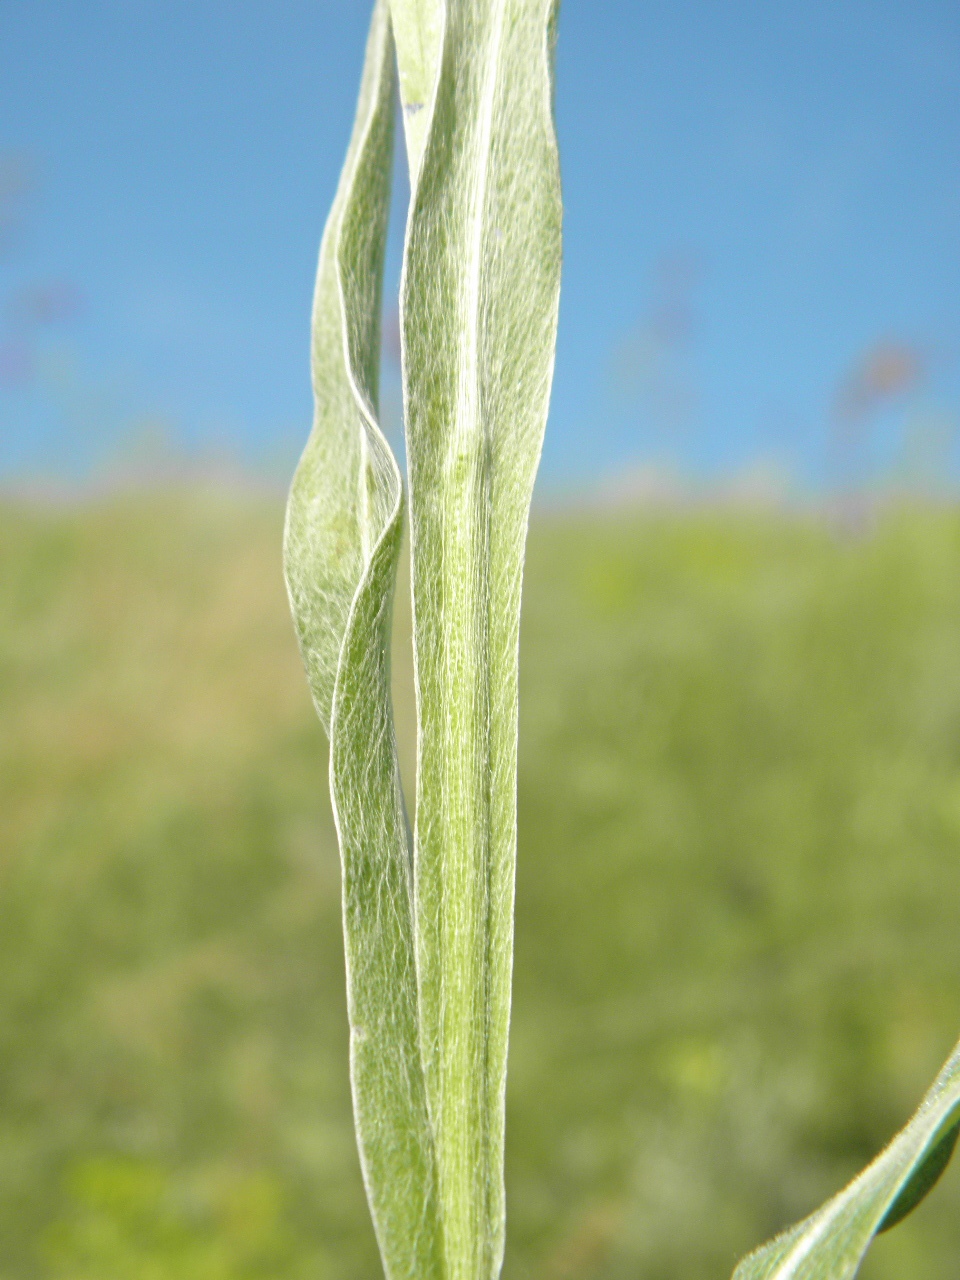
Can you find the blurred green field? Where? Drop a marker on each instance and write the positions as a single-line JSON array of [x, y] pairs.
[[738, 931]]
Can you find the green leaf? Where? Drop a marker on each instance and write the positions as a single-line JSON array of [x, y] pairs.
[[831, 1244], [341, 545], [479, 311], [418, 30]]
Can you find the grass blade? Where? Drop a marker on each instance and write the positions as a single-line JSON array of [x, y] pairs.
[[341, 546], [479, 311], [831, 1244]]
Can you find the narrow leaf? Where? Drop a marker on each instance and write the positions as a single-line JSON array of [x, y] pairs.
[[341, 546], [479, 312], [418, 30], [831, 1244]]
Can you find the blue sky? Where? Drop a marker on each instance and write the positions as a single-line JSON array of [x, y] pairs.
[[762, 216]]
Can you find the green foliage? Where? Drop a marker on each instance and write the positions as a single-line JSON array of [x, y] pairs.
[[171, 1008], [739, 820], [131, 1218], [751, 767]]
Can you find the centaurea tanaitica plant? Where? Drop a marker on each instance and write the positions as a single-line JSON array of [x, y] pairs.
[[428, 913]]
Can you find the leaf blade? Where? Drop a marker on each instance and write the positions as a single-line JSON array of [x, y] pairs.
[[478, 321], [341, 547], [832, 1243], [418, 30]]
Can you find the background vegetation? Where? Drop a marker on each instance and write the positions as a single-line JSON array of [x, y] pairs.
[[738, 952]]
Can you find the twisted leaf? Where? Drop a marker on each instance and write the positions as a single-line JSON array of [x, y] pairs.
[[341, 544]]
